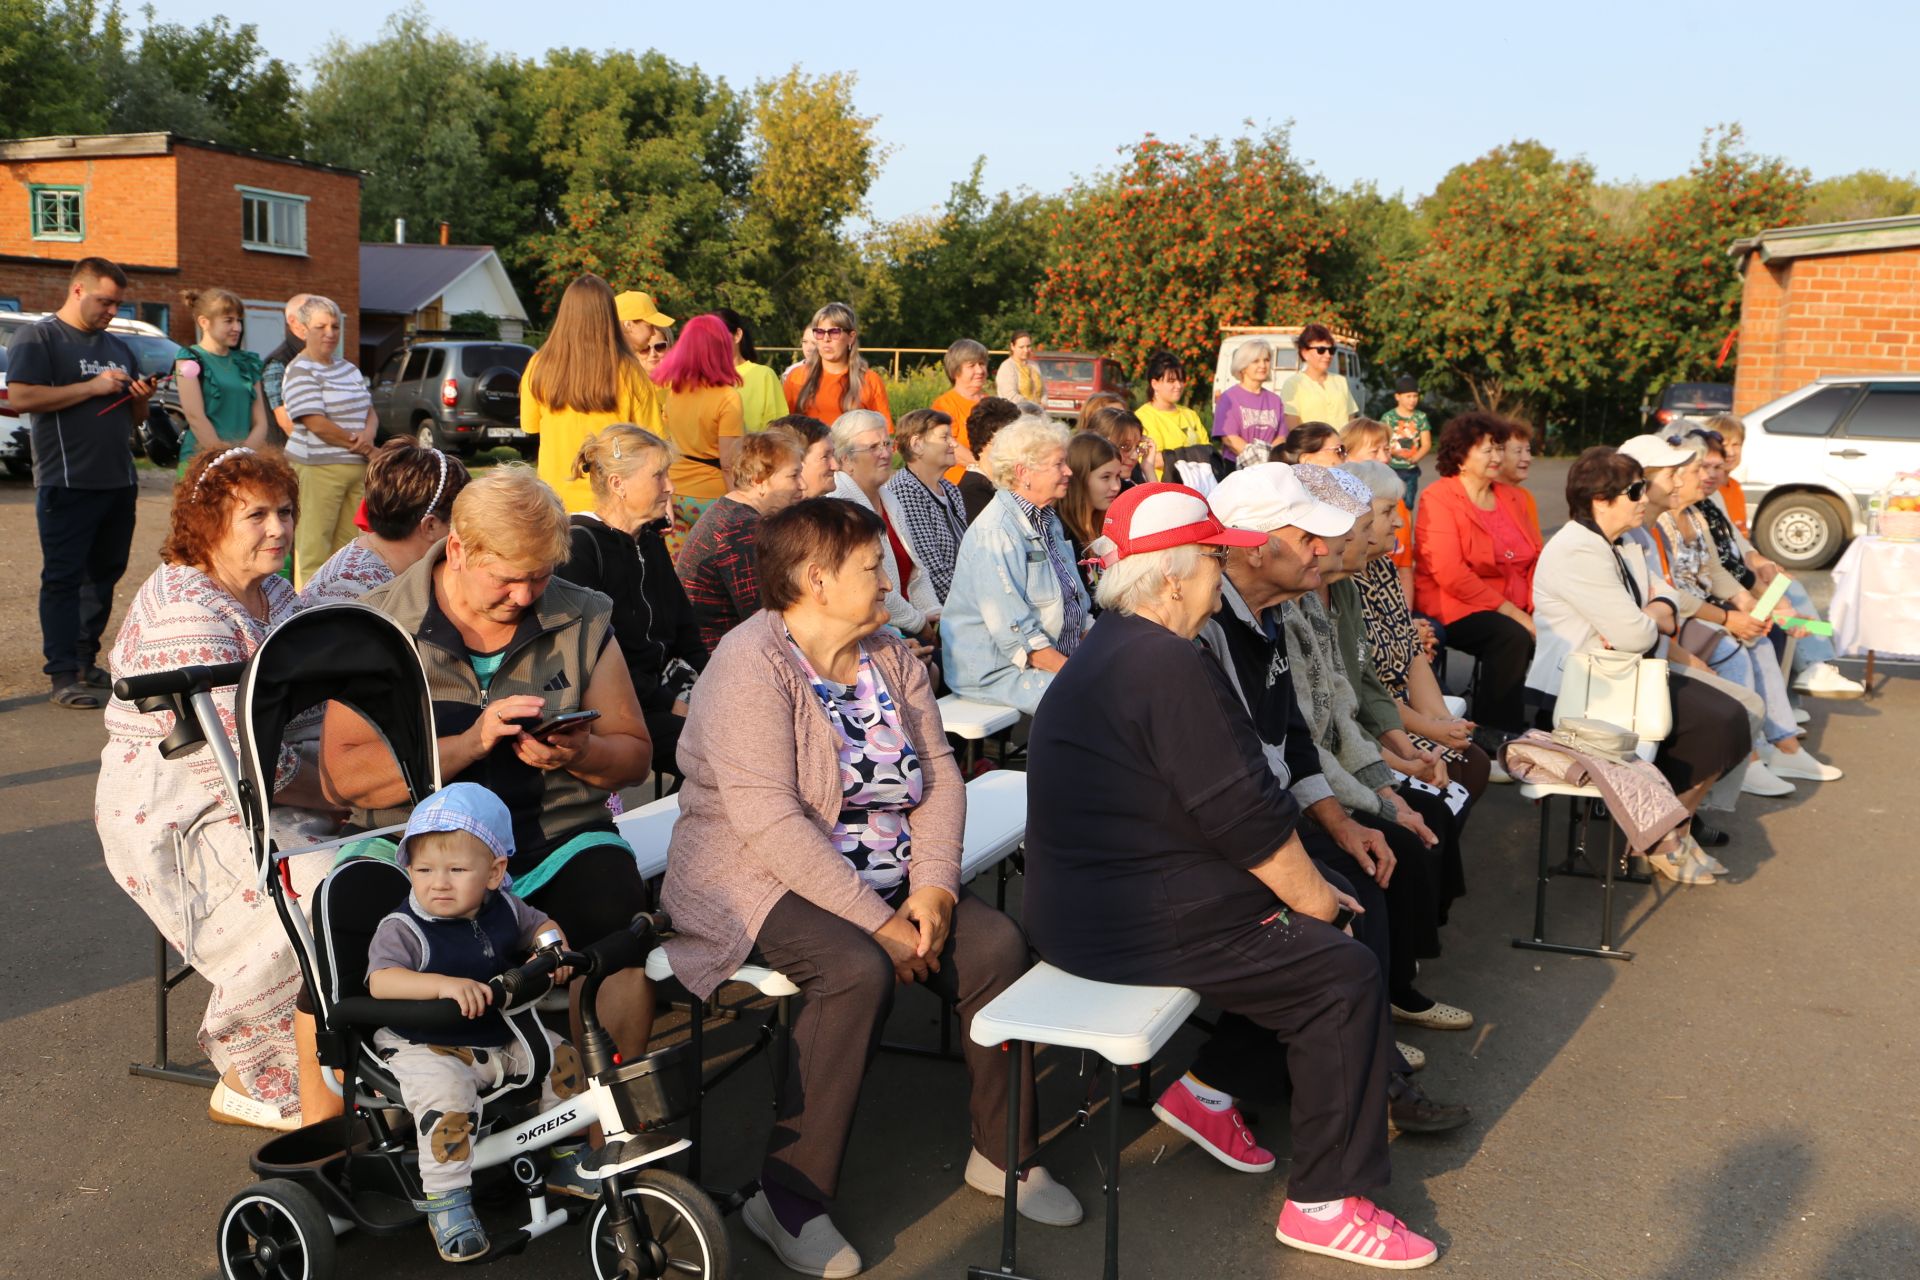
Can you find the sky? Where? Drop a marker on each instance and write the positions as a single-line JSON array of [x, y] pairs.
[[1390, 92]]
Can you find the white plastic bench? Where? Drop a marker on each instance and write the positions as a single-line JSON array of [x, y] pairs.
[[1456, 705], [1579, 830], [975, 722], [1125, 1025]]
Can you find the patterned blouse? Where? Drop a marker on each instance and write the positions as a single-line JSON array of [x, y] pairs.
[[1391, 636], [348, 574], [1053, 536], [880, 778], [936, 521], [1690, 561]]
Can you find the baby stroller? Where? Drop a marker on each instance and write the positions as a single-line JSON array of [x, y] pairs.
[[361, 1170]]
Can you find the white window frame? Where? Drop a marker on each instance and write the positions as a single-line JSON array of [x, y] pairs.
[[287, 199]]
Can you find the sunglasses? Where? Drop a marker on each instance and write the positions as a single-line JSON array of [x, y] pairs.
[[658, 348], [1341, 451], [1635, 491], [832, 331], [1321, 351]]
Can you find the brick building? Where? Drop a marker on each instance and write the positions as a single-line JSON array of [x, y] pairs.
[[178, 214], [1837, 298]]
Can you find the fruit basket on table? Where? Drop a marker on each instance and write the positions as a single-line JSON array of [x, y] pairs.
[[1899, 506]]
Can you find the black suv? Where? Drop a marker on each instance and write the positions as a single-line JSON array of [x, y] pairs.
[[454, 395]]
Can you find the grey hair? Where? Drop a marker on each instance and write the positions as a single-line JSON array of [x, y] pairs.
[[295, 305], [1138, 579], [961, 354], [1022, 443], [1248, 352], [1690, 444], [850, 426], [314, 305], [1379, 477]]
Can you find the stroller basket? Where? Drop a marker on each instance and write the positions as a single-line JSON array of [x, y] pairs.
[[654, 1091]]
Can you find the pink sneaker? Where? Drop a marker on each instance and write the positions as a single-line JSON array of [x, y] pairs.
[[1361, 1232], [1221, 1134]]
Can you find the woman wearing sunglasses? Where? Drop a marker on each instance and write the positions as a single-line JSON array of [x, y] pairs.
[[834, 379], [1317, 393], [1593, 592]]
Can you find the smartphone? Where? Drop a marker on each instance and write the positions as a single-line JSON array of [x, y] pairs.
[[553, 724]]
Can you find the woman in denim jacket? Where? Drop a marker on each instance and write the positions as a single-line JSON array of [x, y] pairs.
[[1017, 607]]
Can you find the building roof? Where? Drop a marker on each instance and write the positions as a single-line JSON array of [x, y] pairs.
[[400, 279], [92, 146], [1868, 235]]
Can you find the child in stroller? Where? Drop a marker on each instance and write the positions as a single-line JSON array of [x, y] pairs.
[[459, 927]]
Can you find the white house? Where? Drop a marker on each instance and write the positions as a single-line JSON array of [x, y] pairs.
[[407, 288]]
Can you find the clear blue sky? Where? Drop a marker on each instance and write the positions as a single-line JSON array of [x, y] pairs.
[[1393, 92]]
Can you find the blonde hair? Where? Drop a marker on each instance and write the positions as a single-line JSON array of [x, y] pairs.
[[209, 303], [764, 453], [841, 315], [617, 450], [511, 514], [1363, 433], [1022, 443], [1729, 427], [584, 364]]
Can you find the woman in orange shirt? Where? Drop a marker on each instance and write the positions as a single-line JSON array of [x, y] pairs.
[[1474, 549], [703, 419], [967, 370], [1516, 460], [834, 379]]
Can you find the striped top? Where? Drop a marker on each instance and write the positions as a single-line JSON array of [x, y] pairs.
[[334, 391]]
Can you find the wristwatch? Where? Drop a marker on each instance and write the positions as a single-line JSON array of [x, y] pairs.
[[1342, 918]]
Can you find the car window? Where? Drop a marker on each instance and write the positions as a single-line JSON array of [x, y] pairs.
[[1285, 357], [1889, 412], [151, 355], [1066, 370], [478, 357], [436, 361], [416, 365], [390, 371], [1813, 416], [1698, 397]]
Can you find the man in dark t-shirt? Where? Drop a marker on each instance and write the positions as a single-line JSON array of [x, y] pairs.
[[78, 381]]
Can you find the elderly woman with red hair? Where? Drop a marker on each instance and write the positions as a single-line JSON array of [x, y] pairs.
[[168, 827], [1474, 548]]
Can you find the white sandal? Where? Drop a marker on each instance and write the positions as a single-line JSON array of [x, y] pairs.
[[230, 1106]]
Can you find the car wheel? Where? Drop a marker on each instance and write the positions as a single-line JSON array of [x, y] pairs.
[[1802, 531]]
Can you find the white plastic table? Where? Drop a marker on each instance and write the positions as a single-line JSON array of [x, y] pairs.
[[1876, 600]]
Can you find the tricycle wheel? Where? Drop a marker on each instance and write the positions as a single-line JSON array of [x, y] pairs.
[[678, 1219], [275, 1230]]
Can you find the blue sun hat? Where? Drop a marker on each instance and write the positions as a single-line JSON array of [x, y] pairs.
[[464, 806]]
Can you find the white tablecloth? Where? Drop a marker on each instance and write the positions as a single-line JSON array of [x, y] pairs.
[[1876, 598]]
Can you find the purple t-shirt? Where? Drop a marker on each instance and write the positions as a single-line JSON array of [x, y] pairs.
[[1251, 415]]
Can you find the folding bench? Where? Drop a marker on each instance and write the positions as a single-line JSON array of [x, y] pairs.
[[1125, 1025], [1580, 801], [974, 723]]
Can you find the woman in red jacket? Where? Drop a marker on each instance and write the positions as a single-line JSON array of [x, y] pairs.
[[1473, 555]]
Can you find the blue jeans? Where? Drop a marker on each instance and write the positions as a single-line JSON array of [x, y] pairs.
[[1809, 649], [85, 537], [1409, 477], [1756, 667]]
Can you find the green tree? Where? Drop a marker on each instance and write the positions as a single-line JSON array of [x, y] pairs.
[[423, 114], [49, 63], [214, 81], [1868, 193], [1504, 297], [1183, 239], [1676, 291], [642, 170]]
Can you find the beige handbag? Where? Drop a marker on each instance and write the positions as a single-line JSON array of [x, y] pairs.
[[1622, 689], [1597, 738]]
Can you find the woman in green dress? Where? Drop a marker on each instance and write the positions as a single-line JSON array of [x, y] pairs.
[[220, 384]]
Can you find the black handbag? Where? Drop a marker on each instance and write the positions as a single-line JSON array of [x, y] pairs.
[[159, 438]]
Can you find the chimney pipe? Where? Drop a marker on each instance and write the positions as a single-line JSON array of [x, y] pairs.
[[399, 230], [446, 229]]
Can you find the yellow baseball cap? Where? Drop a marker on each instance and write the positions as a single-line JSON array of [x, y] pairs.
[[633, 305]]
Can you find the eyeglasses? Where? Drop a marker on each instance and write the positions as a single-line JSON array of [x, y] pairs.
[[1635, 491], [1341, 450], [1215, 553], [831, 331], [879, 449], [1321, 351]]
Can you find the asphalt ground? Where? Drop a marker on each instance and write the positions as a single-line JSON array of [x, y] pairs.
[[1738, 1101]]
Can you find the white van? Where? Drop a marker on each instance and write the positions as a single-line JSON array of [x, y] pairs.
[[1816, 456], [1286, 360]]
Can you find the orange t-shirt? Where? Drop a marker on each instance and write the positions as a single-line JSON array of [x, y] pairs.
[[957, 407], [827, 396], [1736, 499], [1403, 539]]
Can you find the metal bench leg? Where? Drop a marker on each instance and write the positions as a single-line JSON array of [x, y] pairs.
[[162, 1068], [696, 1037], [1111, 1271], [1578, 833]]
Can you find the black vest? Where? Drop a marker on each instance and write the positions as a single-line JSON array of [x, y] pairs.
[[481, 948]]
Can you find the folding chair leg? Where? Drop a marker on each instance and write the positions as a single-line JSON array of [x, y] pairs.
[[696, 1038], [162, 1068], [1577, 831], [1111, 1270]]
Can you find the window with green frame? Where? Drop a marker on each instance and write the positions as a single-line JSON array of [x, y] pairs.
[[58, 213]]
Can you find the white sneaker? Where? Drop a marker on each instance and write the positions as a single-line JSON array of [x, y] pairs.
[[1824, 680], [1498, 776], [1800, 764], [819, 1249], [1760, 781]]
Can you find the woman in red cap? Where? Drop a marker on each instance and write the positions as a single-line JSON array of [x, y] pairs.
[[1163, 851]]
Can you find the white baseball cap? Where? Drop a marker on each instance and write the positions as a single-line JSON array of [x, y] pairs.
[[1270, 497], [1652, 451]]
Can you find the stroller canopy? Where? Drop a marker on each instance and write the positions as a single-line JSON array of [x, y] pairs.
[[347, 653]]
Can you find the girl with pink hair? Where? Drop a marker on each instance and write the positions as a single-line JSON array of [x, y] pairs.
[[703, 420]]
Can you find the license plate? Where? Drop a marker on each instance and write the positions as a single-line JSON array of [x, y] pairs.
[[504, 433], [1059, 404]]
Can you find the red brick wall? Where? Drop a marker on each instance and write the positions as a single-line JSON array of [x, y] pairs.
[[210, 249], [128, 212], [1843, 313], [43, 286]]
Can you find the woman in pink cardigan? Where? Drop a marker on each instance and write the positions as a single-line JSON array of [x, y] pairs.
[[820, 828]]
